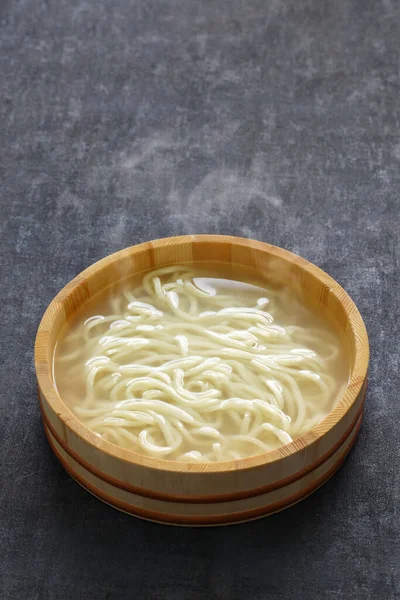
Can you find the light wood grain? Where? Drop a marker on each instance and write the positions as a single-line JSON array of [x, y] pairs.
[[289, 471], [205, 513]]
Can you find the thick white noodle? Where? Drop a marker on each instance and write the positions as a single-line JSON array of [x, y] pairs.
[[176, 372]]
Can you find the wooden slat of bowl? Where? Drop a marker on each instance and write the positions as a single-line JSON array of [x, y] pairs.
[[109, 471], [210, 513]]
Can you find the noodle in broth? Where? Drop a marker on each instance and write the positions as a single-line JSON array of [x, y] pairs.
[[195, 368]]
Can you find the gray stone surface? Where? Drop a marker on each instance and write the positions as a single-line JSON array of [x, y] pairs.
[[122, 121]]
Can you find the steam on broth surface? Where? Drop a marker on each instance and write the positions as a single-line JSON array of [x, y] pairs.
[[189, 363]]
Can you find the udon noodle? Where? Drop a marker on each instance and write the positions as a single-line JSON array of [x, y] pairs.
[[190, 368]]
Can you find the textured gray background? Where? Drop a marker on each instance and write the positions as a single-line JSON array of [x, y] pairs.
[[123, 121]]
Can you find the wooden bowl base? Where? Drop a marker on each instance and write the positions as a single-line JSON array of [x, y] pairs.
[[322, 474]]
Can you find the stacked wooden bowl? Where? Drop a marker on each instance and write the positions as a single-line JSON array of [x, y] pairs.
[[204, 493]]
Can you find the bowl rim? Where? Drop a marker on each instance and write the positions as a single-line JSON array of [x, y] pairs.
[[44, 366]]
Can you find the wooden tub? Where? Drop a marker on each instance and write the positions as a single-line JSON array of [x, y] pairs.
[[204, 493]]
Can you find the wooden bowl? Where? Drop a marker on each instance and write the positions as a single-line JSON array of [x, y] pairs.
[[205, 493]]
